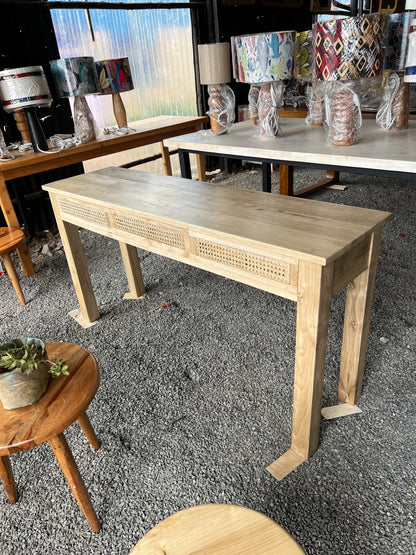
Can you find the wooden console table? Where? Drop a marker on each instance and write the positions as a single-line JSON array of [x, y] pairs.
[[299, 249], [147, 131]]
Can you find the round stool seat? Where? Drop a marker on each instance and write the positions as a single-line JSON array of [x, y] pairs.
[[64, 401], [217, 529], [10, 237]]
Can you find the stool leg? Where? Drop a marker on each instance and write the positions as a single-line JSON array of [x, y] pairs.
[[7, 478], [11, 272], [69, 468], [88, 430]]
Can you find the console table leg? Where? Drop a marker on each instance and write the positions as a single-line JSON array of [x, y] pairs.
[[314, 300], [133, 271], [356, 326], [77, 266], [6, 475]]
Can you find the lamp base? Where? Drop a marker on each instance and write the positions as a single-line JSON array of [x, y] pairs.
[[270, 101], [22, 125], [119, 111], [221, 111], [343, 114], [84, 122], [37, 135]]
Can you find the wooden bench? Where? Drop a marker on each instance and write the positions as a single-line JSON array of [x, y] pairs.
[[296, 248]]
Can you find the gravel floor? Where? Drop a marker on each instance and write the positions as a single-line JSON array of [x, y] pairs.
[[195, 399]]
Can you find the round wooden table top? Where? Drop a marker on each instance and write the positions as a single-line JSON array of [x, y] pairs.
[[10, 237], [217, 529], [62, 403]]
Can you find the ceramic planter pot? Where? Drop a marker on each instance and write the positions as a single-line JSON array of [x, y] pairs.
[[19, 389]]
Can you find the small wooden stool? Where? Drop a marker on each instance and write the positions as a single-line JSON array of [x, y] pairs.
[[10, 238], [65, 401], [217, 529]]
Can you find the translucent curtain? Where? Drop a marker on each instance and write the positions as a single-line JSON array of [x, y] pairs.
[[158, 44]]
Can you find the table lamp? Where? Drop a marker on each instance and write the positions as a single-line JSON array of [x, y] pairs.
[[303, 72], [22, 90], [77, 77], [266, 59], [215, 72], [393, 112], [346, 50], [114, 77]]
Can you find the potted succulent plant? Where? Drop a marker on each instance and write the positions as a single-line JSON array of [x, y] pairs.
[[25, 371]]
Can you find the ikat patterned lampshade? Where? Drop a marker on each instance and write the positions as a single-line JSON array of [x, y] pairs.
[[349, 49]]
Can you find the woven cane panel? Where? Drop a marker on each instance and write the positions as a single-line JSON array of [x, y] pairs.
[[250, 262], [85, 213], [154, 232]]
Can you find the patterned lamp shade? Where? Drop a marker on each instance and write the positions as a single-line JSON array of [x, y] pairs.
[[75, 76], [397, 38], [303, 55], [114, 76], [24, 87], [264, 57], [349, 49]]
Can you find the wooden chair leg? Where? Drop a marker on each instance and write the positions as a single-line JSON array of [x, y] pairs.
[[11, 272], [69, 468], [88, 430], [7, 478]]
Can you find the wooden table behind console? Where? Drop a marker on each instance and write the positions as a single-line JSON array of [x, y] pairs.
[[299, 249], [388, 154], [147, 131]]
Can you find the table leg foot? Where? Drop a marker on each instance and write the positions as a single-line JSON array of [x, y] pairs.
[[284, 465], [337, 411], [7, 478], [77, 316]]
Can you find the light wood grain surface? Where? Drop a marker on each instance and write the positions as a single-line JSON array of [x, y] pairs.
[[64, 401], [217, 530], [302, 228], [376, 149]]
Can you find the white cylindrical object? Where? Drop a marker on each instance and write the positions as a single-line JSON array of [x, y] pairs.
[[24, 87], [410, 5], [214, 63], [410, 75]]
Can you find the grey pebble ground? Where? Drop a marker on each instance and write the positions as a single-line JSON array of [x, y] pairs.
[[195, 399]]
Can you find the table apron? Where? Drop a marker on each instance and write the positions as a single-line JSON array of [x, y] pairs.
[[410, 176]]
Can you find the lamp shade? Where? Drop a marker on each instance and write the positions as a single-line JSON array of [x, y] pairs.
[[410, 5], [410, 75], [75, 76], [214, 63], [303, 55], [397, 37], [24, 87], [264, 57], [349, 49], [114, 76]]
